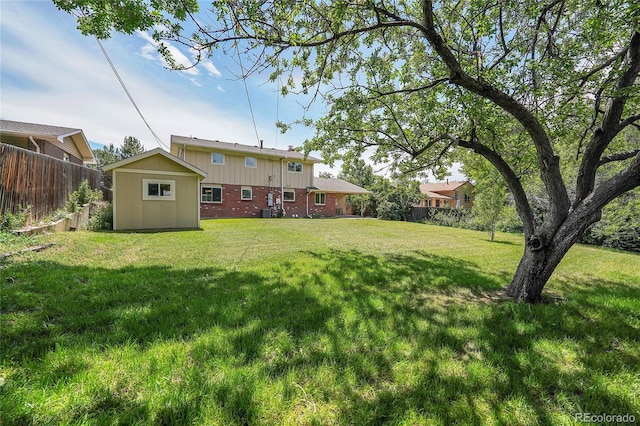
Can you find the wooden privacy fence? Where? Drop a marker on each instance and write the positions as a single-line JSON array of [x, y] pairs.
[[42, 182], [427, 213]]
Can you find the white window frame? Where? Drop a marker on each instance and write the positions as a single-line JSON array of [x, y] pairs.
[[289, 190], [246, 188], [212, 187], [216, 163], [145, 190], [246, 159], [291, 167], [324, 198]]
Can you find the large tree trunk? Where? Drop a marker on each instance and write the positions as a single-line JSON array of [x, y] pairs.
[[533, 272], [542, 254]]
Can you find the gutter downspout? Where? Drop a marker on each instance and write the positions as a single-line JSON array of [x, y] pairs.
[[35, 144], [282, 185]]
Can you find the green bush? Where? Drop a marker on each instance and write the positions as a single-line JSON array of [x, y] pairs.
[[82, 196], [101, 219], [10, 221]]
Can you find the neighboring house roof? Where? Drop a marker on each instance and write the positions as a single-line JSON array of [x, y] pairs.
[[452, 185], [241, 149], [147, 154], [47, 132], [338, 186], [431, 194]]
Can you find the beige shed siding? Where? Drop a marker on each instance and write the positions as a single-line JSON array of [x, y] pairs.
[[234, 172], [132, 212]]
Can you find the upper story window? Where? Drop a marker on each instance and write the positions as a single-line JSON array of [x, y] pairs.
[[251, 162], [156, 189], [294, 167], [217, 158], [467, 198]]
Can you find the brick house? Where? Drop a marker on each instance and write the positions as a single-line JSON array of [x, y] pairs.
[[62, 143], [448, 195], [254, 181]]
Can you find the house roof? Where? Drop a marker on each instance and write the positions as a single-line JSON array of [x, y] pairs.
[[450, 185], [157, 151], [431, 194], [338, 186], [47, 132], [214, 145]]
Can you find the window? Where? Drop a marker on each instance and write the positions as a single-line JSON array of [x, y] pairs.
[[246, 193], [289, 195], [155, 189], [467, 198], [294, 167], [217, 158], [211, 194], [250, 162], [320, 198], [437, 203]]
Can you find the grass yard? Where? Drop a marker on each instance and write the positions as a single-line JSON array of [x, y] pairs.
[[311, 322]]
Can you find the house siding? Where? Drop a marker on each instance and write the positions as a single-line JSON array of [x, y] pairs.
[[234, 172]]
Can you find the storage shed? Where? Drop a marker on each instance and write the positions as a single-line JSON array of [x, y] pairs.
[[155, 190]]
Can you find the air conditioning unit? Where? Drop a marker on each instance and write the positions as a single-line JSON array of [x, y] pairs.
[[265, 213]]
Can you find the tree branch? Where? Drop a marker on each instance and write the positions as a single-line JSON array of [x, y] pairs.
[[549, 161], [522, 203], [621, 156], [611, 124]]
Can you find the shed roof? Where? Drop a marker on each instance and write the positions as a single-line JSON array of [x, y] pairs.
[[157, 151], [239, 148], [338, 186], [45, 131]]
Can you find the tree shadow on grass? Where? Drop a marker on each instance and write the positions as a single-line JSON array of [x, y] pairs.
[[403, 338]]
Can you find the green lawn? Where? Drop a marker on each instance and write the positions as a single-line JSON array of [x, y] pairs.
[[285, 321]]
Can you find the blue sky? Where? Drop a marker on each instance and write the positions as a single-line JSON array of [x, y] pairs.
[[52, 74]]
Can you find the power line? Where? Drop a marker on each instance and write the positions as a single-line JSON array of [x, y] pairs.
[[158, 140], [246, 89]]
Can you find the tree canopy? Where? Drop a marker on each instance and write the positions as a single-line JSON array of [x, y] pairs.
[[543, 90]]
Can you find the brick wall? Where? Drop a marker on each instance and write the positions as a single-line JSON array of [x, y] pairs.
[[233, 206]]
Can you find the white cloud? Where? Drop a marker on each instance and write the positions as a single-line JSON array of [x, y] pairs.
[[179, 57], [208, 65], [220, 88]]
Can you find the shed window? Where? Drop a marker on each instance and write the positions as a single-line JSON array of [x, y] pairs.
[[467, 198], [294, 167], [211, 194], [156, 189], [321, 199], [247, 193], [289, 195]]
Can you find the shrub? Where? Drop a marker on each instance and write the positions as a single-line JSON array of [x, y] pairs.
[[10, 221], [82, 196], [102, 218]]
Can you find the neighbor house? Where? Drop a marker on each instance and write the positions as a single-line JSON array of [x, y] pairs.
[[255, 181], [449, 194], [155, 190], [63, 143]]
